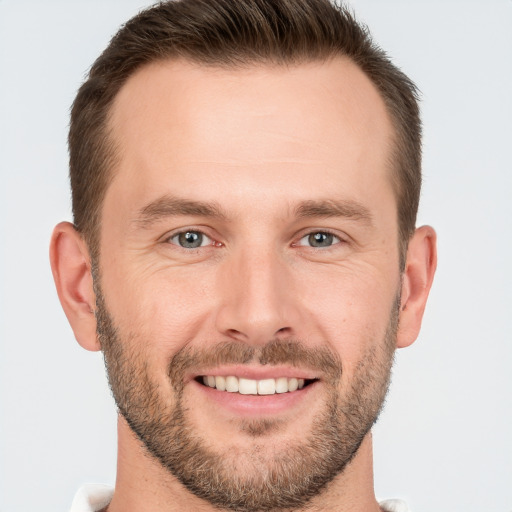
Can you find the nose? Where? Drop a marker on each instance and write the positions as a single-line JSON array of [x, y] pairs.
[[257, 299]]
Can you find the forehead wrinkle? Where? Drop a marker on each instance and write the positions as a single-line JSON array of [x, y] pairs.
[[172, 206]]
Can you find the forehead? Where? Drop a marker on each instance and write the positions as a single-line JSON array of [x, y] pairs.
[[261, 126]]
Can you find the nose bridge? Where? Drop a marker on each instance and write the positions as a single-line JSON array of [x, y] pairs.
[[257, 302]]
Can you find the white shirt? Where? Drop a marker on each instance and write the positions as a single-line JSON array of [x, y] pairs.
[[93, 497]]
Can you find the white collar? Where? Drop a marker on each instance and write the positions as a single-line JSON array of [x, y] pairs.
[[94, 497]]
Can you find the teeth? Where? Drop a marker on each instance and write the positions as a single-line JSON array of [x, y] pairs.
[[266, 387], [220, 383], [247, 387], [282, 385], [243, 386], [232, 384], [293, 385]]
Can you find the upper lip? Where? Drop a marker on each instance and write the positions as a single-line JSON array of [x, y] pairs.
[[256, 372]]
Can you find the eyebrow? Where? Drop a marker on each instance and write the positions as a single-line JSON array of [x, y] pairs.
[[334, 208], [171, 206]]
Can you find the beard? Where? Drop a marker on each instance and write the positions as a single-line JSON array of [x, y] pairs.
[[285, 477]]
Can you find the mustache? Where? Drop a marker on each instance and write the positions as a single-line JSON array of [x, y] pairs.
[[292, 352]]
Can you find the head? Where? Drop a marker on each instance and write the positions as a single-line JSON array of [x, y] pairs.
[[245, 183]]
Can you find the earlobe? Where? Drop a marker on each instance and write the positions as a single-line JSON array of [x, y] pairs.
[[417, 280], [71, 268]]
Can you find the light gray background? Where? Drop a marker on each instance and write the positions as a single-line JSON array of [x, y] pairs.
[[444, 442]]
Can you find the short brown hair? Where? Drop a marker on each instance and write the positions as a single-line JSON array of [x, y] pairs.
[[235, 33]]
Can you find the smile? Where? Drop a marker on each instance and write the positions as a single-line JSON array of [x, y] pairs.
[[243, 386]]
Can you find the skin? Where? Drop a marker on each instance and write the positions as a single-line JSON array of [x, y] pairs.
[[258, 143]]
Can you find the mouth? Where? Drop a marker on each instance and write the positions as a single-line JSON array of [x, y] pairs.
[[244, 386]]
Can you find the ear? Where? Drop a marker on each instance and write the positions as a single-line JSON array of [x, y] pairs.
[[417, 279], [71, 268]]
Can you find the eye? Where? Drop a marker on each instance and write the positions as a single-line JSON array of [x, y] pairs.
[[191, 239], [319, 239]]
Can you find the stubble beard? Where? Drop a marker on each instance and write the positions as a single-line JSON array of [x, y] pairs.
[[255, 479]]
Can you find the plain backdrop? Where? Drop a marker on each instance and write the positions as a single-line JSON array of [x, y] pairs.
[[444, 441]]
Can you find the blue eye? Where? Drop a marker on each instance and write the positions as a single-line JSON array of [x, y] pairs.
[[191, 239], [319, 239]]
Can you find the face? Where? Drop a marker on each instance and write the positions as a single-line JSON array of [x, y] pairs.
[[248, 282]]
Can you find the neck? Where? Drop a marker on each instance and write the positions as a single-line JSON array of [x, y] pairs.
[[143, 485]]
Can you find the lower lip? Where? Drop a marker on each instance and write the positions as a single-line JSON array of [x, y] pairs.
[[256, 405]]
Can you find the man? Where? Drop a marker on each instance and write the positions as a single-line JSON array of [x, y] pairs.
[[245, 178]]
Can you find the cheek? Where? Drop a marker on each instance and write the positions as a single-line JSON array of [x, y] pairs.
[[352, 312], [165, 306]]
